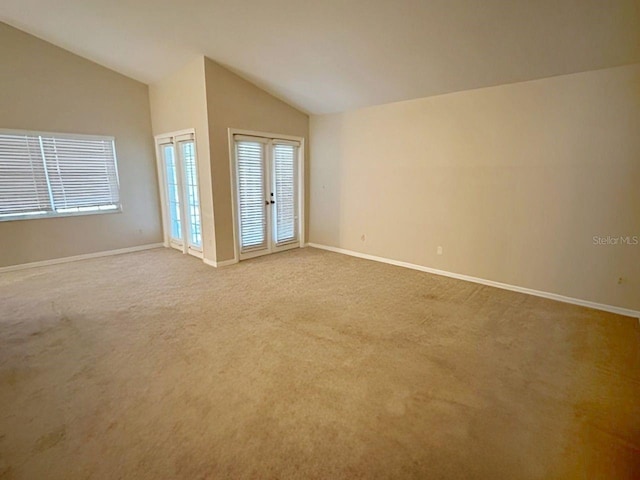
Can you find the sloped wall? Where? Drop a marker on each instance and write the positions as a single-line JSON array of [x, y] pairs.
[[179, 102], [233, 102], [46, 88]]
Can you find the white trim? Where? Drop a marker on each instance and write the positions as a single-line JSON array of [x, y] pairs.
[[224, 263], [278, 141], [75, 258], [266, 135], [170, 135], [301, 193], [48, 214], [234, 191], [166, 227], [249, 138], [467, 278]]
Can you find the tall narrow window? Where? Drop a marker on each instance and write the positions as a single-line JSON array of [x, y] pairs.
[[285, 158], [251, 194], [193, 196], [178, 167], [173, 195]]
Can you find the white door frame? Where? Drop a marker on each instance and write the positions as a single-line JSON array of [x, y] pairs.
[[175, 138], [234, 192]]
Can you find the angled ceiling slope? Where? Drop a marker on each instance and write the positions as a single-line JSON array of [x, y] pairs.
[[334, 55]]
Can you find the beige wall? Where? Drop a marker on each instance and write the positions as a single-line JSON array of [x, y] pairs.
[[179, 102], [236, 103], [206, 96], [45, 88], [512, 181]]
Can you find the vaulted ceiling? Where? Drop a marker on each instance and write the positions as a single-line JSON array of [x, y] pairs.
[[333, 55]]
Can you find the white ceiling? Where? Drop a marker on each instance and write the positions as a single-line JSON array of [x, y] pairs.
[[333, 55]]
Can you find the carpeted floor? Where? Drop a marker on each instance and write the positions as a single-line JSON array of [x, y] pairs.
[[306, 364]]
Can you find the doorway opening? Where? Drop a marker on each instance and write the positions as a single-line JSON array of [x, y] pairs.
[[180, 193], [267, 178]]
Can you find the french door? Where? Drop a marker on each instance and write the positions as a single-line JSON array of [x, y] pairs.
[[267, 195], [179, 172]]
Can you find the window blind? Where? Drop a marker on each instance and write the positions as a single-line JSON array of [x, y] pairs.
[[251, 194], [173, 191], [82, 173], [23, 180], [49, 174], [192, 195], [285, 159]]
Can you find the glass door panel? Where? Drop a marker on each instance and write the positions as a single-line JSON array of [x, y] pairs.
[[192, 195], [173, 194], [285, 159], [251, 181]]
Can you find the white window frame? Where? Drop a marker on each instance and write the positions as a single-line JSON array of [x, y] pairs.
[[175, 138], [301, 243], [82, 210]]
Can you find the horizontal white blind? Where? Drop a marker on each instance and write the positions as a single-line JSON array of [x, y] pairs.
[[285, 157], [49, 174], [82, 172], [23, 182], [173, 192], [251, 196], [192, 195]]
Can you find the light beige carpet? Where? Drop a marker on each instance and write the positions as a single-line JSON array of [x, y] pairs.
[[306, 364]]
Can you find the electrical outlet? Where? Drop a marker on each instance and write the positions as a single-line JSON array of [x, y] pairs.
[[439, 251]]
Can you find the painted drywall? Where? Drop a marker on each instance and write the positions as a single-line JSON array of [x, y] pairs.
[[336, 55], [45, 88], [233, 102], [514, 182], [179, 102]]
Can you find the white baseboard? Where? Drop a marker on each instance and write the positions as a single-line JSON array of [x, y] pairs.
[[224, 263], [552, 296], [75, 258]]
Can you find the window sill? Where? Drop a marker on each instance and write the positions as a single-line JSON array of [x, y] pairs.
[[58, 215]]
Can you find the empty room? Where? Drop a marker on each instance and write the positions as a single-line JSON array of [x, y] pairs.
[[320, 240]]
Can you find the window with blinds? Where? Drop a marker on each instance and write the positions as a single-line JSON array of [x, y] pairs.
[[173, 191], [250, 158], [43, 175], [192, 195], [24, 189], [284, 164]]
